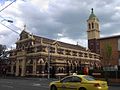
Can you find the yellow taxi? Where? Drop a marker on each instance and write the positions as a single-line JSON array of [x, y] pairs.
[[78, 82]]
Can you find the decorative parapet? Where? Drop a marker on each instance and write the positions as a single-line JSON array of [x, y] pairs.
[[22, 53]]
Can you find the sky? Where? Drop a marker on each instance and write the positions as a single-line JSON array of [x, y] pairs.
[[62, 20]]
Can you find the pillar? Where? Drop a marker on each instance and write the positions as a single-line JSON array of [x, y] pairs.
[[11, 70], [17, 68], [23, 67], [34, 66]]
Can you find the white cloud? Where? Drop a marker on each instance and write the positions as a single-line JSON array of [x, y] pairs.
[[106, 25], [116, 16], [117, 8], [60, 35], [42, 4], [63, 20], [67, 40], [81, 42]]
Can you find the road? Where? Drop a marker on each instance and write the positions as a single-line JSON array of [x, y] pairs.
[[31, 84], [24, 84]]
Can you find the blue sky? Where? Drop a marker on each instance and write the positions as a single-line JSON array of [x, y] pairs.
[[2, 2], [63, 20]]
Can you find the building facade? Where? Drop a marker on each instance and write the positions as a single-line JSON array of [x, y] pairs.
[[39, 56], [110, 50], [93, 33], [107, 47]]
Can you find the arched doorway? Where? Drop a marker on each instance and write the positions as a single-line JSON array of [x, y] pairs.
[[46, 67]]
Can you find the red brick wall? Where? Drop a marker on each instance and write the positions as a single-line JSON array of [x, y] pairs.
[[113, 42]]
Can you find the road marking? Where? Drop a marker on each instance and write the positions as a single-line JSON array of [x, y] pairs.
[[9, 82], [6, 82], [7, 86], [44, 86], [39, 85], [36, 84]]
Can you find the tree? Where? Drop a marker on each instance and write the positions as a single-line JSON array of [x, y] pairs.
[[3, 58], [107, 57], [3, 53], [108, 53]]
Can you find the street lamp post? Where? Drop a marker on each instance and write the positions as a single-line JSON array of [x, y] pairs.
[[10, 21], [48, 61], [7, 5]]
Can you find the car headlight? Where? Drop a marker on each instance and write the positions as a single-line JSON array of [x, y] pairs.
[[97, 85]]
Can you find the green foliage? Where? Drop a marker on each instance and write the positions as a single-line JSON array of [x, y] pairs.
[[2, 51], [108, 49]]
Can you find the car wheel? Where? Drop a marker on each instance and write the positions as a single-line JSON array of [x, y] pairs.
[[53, 87], [82, 88]]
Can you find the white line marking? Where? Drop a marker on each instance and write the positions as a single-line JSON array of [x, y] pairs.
[[36, 84], [7, 86]]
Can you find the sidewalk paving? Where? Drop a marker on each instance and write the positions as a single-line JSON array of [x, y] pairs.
[[111, 82], [114, 82]]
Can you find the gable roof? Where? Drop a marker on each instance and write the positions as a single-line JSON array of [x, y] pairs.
[[109, 37], [62, 44], [59, 43]]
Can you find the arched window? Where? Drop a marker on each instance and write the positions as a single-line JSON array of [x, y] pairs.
[[39, 69], [89, 26], [46, 67], [40, 61], [98, 26], [71, 67], [60, 70], [30, 61], [92, 25], [75, 68]]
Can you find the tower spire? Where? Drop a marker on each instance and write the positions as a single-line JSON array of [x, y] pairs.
[[93, 32], [25, 27], [92, 10]]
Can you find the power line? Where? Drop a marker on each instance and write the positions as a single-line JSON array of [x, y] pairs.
[[1, 17], [9, 28], [7, 5], [8, 20]]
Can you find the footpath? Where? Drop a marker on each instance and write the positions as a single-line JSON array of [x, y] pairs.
[[114, 82]]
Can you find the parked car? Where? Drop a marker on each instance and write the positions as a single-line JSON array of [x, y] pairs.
[[78, 82]]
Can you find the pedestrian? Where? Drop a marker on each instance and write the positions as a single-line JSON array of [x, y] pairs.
[[4, 72], [86, 71]]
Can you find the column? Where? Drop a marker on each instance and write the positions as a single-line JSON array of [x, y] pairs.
[[17, 68], [23, 67], [34, 66], [11, 70], [83, 54], [88, 56], [56, 49], [77, 54]]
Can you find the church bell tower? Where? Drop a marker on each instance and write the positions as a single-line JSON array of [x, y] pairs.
[[93, 32]]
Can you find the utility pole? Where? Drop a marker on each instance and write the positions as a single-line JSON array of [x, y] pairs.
[[48, 47]]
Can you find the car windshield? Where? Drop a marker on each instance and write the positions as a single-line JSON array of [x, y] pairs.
[[89, 78]]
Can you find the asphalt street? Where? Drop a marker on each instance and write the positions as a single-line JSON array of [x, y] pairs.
[[31, 84], [23, 84]]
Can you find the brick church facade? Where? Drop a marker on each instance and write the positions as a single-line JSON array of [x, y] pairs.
[[39, 56], [107, 47]]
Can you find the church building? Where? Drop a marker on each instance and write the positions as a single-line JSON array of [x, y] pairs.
[[39, 56], [107, 47]]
